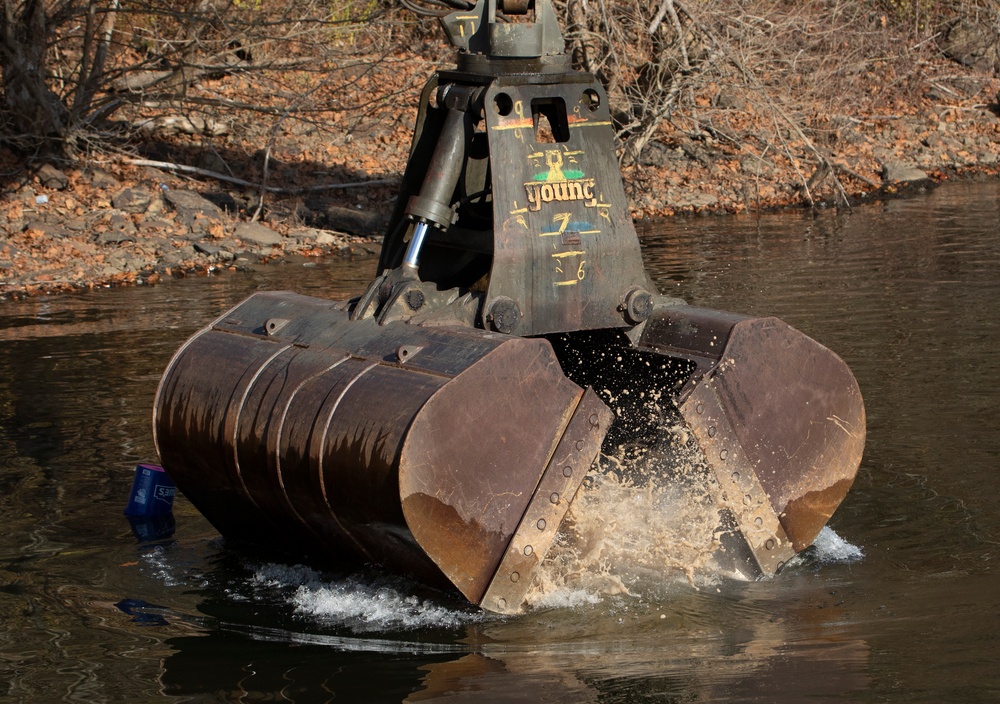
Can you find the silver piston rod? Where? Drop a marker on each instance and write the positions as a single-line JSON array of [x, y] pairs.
[[432, 206]]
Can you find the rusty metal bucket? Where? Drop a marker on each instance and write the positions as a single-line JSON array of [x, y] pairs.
[[426, 450], [452, 454]]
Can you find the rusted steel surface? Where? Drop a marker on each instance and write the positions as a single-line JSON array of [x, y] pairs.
[[565, 249], [416, 448], [537, 529], [771, 402], [474, 455]]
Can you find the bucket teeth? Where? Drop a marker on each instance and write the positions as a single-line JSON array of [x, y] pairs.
[[560, 481], [740, 493]]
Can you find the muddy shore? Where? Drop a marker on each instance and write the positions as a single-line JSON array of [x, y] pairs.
[[129, 221]]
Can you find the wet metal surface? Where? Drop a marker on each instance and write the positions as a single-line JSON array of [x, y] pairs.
[[418, 449], [904, 292]]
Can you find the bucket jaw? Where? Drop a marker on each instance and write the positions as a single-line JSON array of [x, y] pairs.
[[441, 423], [778, 417], [428, 450]]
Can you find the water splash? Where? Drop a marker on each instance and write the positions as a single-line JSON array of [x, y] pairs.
[[623, 537], [361, 603], [831, 548]]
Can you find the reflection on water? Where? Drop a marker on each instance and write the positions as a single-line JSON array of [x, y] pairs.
[[905, 292]]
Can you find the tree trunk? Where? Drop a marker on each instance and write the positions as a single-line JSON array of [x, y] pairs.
[[33, 110]]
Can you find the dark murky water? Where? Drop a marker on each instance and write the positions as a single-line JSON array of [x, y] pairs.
[[907, 293]]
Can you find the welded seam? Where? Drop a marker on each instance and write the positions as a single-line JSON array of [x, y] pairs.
[[280, 433], [239, 413], [322, 455], [170, 366]]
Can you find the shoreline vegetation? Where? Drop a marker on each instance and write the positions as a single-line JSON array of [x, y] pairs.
[[292, 145]]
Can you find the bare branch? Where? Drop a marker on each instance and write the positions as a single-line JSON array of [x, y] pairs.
[[184, 168]]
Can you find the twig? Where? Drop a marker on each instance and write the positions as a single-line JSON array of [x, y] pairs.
[[184, 168], [855, 175], [667, 8]]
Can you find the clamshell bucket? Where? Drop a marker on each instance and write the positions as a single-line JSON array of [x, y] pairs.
[[441, 423]]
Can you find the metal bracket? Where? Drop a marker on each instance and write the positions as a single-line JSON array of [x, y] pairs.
[[741, 490], [560, 481]]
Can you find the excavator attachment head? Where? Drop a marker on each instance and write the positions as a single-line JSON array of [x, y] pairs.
[[441, 423]]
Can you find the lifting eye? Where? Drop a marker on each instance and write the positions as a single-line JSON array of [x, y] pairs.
[[274, 325], [549, 117]]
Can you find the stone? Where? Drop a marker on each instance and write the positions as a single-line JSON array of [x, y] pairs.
[[972, 43], [256, 233], [179, 255], [154, 175], [26, 194], [126, 261], [99, 178], [208, 249], [51, 177], [194, 211], [132, 200], [50, 229], [902, 172], [360, 249], [306, 235], [729, 100], [113, 238], [351, 220], [122, 223], [696, 201]]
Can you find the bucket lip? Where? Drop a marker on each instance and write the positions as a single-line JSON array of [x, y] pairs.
[[462, 498]]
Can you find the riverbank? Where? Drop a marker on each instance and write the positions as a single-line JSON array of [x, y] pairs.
[[170, 209]]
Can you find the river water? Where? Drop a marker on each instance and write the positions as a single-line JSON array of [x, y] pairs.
[[900, 601]]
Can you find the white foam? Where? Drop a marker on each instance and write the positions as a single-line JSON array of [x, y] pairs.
[[830, 547], [160, 563], [359, 603], [565, 598]]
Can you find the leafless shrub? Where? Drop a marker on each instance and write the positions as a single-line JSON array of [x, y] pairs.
[[74, 69], [804, 70]]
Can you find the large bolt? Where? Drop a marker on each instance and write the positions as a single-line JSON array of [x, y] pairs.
[[504, 315], [273, 325], [415, 299], [637, 307]]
